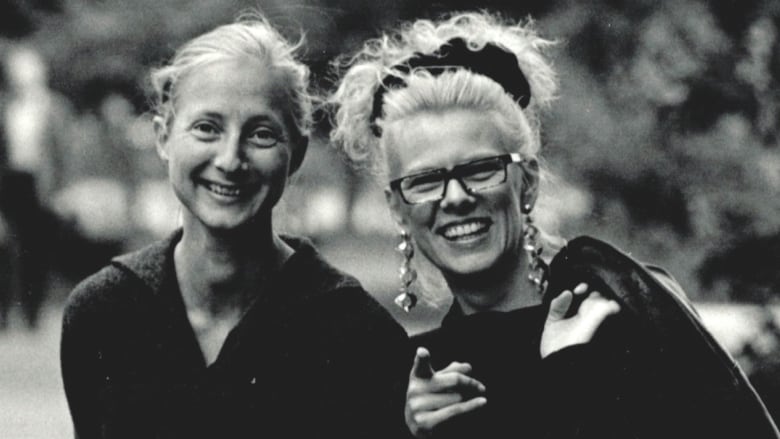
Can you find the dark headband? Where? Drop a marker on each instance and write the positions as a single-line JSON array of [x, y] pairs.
[[492, 61]]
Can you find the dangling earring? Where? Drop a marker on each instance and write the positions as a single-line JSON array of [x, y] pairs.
[[406, 299], [537, 268]]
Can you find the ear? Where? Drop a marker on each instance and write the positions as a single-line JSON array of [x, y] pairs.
[[530, 189], [395, 204], [161, 136], [298, 153]]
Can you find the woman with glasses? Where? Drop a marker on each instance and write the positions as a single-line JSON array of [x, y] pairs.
[[446, 113], [228, 329]]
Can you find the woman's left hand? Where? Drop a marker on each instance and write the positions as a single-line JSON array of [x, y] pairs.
[[561, 331]]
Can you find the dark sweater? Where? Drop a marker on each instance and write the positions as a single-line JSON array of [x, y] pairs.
[[314, 357], [526, 395]]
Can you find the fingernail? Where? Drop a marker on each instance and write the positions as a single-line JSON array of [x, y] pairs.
[[481, 387], [581, 288]]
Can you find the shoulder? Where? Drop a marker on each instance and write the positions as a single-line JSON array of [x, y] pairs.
[[599, 252], [97, 290], [334, 296], [118, 284], [353, 310], [94, 304], [307, 269]]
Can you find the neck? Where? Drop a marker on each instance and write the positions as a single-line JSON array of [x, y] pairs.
[[502, 287], [222, 272]]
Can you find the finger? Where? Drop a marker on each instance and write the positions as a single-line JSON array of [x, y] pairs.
[[596, 311], [422, 367], [464, 368], [443, 382], [596, 303], [429, 420], [433, 401], [560, 306], [580, 288]]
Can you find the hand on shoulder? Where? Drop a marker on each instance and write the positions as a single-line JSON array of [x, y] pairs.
[[564, 328]]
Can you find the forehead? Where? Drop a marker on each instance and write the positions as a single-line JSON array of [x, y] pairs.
[[442, 139], [240, 87]]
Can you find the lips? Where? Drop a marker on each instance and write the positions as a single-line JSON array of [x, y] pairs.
[[227, 190], [463, 230]]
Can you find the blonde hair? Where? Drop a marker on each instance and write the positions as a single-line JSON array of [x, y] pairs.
[[250, 36], [461, 88]]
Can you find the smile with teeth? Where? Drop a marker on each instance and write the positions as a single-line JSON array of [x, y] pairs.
[[464, 230], [224, 190]]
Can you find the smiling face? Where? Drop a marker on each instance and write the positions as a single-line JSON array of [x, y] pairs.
[[463, 234], [229, 145]]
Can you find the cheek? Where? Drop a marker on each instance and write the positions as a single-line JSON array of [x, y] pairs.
[[273, 167], [508, 206], [419, 217]]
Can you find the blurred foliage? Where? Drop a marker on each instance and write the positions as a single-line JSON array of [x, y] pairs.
[[675, 134], [667, 117]]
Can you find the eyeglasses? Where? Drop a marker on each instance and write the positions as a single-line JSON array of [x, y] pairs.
[[475, 176]]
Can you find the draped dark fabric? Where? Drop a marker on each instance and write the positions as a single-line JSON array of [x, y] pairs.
[[652, 371]]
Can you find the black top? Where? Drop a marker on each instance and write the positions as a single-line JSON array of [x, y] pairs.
[[314, 357], [527, 396]]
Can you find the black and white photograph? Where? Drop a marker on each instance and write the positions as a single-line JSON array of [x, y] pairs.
[[393, 219]]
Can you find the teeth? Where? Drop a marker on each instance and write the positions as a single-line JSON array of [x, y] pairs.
[[223, 190], [462, 230]]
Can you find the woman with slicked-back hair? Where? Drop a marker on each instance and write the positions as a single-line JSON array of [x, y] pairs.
[[227, 329]]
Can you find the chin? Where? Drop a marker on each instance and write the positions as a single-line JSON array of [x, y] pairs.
[[472, 264], [227, 220]]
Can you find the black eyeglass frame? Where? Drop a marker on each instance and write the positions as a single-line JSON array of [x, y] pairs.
[[457, 173]]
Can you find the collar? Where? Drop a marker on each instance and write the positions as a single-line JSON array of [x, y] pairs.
[[455, 315], [154, 264]]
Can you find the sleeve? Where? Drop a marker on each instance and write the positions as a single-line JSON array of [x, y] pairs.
[[80, 362], [574, 385], [586, 393], [374, 378]]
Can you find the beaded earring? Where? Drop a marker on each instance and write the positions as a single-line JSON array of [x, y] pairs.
[[406, 299], [537, 268]]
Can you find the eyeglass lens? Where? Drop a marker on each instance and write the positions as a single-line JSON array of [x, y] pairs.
[[474, 177]]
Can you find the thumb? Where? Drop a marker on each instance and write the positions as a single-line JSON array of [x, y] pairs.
[[422, 367], [560, 306]]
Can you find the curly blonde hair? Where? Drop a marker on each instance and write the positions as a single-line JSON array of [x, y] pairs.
[[380, 57], [250, 36]]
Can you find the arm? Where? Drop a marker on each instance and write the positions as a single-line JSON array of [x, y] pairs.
[[80, 364], [580, 392], [369, 370]]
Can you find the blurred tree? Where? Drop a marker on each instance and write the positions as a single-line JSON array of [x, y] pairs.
[[669, 116], [18, 18]]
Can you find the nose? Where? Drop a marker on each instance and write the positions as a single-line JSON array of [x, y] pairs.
[[229, 156], [456, 195]]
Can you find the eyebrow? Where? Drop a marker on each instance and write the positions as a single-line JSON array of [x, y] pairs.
[[208, 114], [427, 169], [254, 119], [259, 118]]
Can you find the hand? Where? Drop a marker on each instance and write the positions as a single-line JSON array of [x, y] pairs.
[[561, 331], [435, 397]]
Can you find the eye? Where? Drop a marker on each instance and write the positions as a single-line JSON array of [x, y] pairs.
[[422, 183], [205, 129], [264, 137], [481, 171]]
